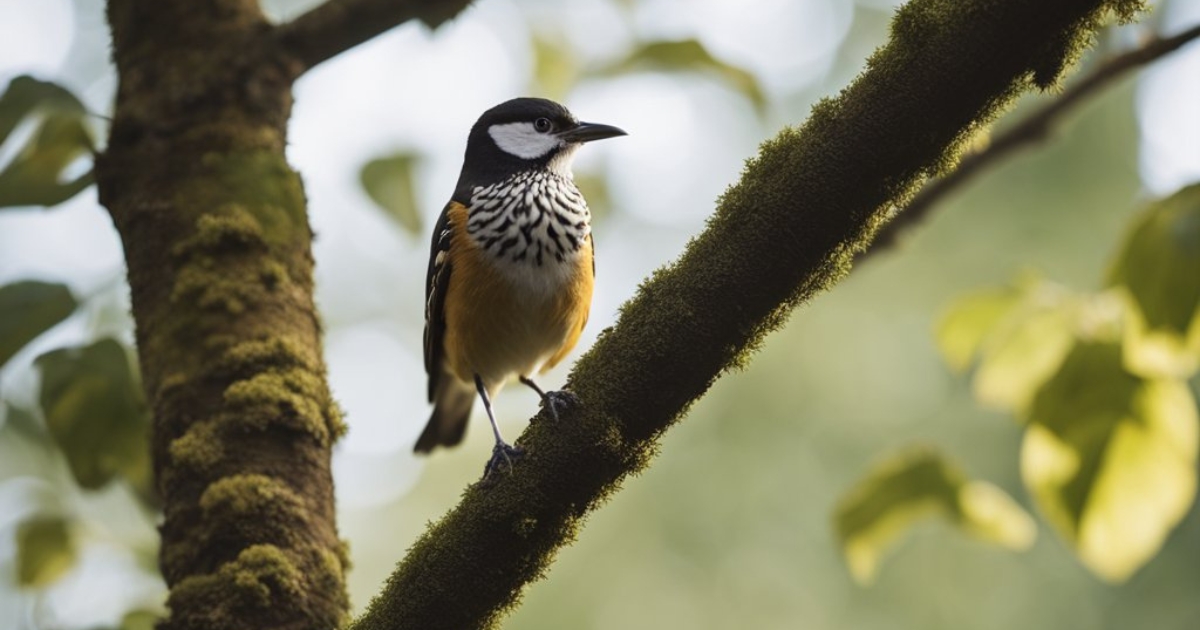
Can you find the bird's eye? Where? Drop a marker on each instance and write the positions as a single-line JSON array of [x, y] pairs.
[[542, 125]]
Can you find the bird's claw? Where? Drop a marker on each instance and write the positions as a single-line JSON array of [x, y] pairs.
[[559, 399], [502, 457]]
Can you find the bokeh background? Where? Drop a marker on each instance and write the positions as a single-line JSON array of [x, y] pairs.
[[732, 524]]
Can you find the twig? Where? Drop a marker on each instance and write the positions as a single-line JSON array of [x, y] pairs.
[[1033, 129], [339, 25]]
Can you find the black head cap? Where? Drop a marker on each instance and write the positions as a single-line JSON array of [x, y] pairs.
[[523, 134]]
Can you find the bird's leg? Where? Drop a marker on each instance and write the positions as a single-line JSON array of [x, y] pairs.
[[552, 400], [502, 452]]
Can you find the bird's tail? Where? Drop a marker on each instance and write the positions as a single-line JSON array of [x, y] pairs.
[[451, 410]]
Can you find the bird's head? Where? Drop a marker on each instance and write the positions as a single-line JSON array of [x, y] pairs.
[[526, 134]]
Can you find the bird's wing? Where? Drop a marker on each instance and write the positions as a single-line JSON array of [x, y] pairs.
[[437, 279]]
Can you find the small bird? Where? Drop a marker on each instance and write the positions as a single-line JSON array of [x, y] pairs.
[[511, 267]]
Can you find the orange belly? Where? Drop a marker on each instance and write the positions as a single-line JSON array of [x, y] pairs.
[[500, 327]]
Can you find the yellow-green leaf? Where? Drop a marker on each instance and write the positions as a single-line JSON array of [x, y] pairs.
[[907, 488], [689, 55], [33, 178], [45, 550], [96, 413], [389, 183], [1026, 347], [29, 308], [1159, 266], [26, 95], [970, 320], [556, 68], [1110, 458]]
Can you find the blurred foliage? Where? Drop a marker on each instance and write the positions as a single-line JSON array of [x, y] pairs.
[[33, 177], [28, 309], [1099, 380], [555, 66], [139, 620], [689, 55], [906, 488], [45, 550], [94, 408], [389, 183], [1110, 458], [1159, 267]]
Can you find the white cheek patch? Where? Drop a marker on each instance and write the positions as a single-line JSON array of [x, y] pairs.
[[522, 140]]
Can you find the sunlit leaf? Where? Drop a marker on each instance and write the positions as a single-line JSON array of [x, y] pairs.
[[34, 176], [44, 550], [690, 55], [1110, 458], [1026, 347], [970, 320], [1159, 265], [905, 489], [29, 308], [96, 413], [389, 182]]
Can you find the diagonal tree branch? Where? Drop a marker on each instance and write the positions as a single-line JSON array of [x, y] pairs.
[[339, 25], [1033, 129], [787, 230]]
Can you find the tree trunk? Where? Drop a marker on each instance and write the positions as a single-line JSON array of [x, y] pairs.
[[218, 249]]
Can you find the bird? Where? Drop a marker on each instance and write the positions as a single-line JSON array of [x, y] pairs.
[[511, 268]]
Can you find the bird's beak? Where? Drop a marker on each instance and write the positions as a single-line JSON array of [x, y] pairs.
[[586, 132]]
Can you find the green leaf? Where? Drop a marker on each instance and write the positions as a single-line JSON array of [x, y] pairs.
[[1159, 266], [555, 67], [389, 182], [29, 308], [970, 320], [1110, 458], [907, 488], [1026, 344], [45, 551], [33, 176], [689, 55], [26, 95], [94, 409]]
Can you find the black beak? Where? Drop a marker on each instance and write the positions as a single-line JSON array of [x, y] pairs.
[[586, 132]]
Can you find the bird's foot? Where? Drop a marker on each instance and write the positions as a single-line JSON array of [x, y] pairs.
[[561, 399], [503, 456]]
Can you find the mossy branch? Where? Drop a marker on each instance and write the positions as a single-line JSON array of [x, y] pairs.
[[805, 205], [339, 25], [1034, 128]]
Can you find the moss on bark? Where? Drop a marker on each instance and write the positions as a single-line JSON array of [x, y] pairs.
[[218, 247]]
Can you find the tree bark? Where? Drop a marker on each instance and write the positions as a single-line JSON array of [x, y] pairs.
[[217, 245], [219, 253]]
